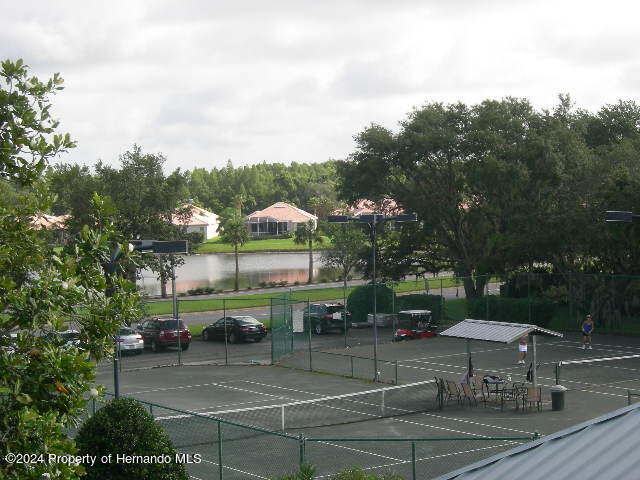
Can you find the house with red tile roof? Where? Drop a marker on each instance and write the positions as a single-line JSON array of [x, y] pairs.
[[200, 220], [278, 219], [56, 224]]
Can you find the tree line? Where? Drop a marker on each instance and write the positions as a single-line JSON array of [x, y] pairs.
[[501, 186]]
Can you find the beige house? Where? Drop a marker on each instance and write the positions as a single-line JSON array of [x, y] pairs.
[[52, 223], [201, 221], [278, 219]]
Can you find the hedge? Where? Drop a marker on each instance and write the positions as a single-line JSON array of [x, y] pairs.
[[360, 301], [513, 310]]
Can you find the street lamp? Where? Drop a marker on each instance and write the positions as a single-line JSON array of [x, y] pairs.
[[147, 246], [372, 221]]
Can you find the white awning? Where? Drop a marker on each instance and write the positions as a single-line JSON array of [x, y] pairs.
[[500, 332]]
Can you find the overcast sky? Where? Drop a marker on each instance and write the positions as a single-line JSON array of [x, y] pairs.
[[204, 82]]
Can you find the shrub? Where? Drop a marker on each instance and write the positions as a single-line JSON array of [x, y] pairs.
[[513, 310], [421, 302], [360, 301], [123, 426]]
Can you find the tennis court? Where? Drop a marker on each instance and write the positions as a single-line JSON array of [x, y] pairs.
[[369, 430]]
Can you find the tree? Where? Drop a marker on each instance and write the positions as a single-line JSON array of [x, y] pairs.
[[123, 426], [43, 383], [307, 234], [347, 241], [233, 230], [464, 171], [26, 122]]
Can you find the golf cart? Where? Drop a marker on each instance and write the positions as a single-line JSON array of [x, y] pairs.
[[414, 324]]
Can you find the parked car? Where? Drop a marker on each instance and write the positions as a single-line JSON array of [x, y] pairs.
[[8, 342], [160, 333], [238, 328], [68, 338], [325, 316], [129, 340]]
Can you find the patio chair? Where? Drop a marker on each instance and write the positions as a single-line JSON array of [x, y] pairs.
[[478, 385], [512, 394], [452, 391], [468, 394], [532, 396]]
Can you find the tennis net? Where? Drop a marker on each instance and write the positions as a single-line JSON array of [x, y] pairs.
[[334, 410], [621, 372]]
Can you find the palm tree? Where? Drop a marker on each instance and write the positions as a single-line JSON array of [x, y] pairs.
[[307, 234], [233, 230]]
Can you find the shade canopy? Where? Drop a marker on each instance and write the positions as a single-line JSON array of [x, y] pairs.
[[499, 332]]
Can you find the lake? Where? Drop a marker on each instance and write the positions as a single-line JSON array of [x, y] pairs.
[[218, 271]]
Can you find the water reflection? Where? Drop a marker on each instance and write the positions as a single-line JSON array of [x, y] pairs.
[[218, 271]]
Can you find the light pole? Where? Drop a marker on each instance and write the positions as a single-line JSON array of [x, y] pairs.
[[146, 246], [372, 221]]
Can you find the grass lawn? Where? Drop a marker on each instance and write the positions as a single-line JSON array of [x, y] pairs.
[[214, 245], [264, 299]]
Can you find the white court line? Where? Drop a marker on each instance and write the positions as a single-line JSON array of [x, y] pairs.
[[405, 462], [236, 470], [163, 389], [344, 447]]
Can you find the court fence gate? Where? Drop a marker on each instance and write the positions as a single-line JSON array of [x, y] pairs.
[[222, 449]]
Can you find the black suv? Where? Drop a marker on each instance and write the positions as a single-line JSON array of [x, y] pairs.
[[325, 316], [160, 333]]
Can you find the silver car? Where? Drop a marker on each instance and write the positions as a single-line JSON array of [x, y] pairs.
[[129, 340]]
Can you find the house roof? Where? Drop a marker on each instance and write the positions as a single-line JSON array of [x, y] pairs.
[[282, 212], [44, 221], [199, 216], [603, 447], [500, 332], [386, 206]]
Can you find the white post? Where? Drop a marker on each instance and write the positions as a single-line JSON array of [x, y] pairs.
[[382, 404]]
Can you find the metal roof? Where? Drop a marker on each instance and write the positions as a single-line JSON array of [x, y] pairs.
[[500, 332], [604, 447]]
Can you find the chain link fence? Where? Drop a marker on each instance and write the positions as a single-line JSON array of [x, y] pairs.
[[233, 451], [555, 301]]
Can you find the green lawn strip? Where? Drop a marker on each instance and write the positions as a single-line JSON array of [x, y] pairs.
[[214, 245], [264, 299]]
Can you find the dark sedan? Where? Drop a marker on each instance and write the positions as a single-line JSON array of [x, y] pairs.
[[238, 328]]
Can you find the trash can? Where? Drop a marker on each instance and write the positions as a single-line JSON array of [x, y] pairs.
[[557, 397]]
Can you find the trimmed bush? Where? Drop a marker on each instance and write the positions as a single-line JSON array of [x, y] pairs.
[[513, 310], [360, 301], [420, 302], [123, 426]]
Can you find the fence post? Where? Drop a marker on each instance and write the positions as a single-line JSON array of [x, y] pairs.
[[396, 365], [302, 447], [529, 295], [220, 473], [226, 338], [558, 373], [413, 460], [441, 302], [273, 338], [628, 397], [351, 360], [309, 330], [150, 409], [486, 294]]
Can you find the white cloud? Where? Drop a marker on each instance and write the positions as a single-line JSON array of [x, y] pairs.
[[285, 80]]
